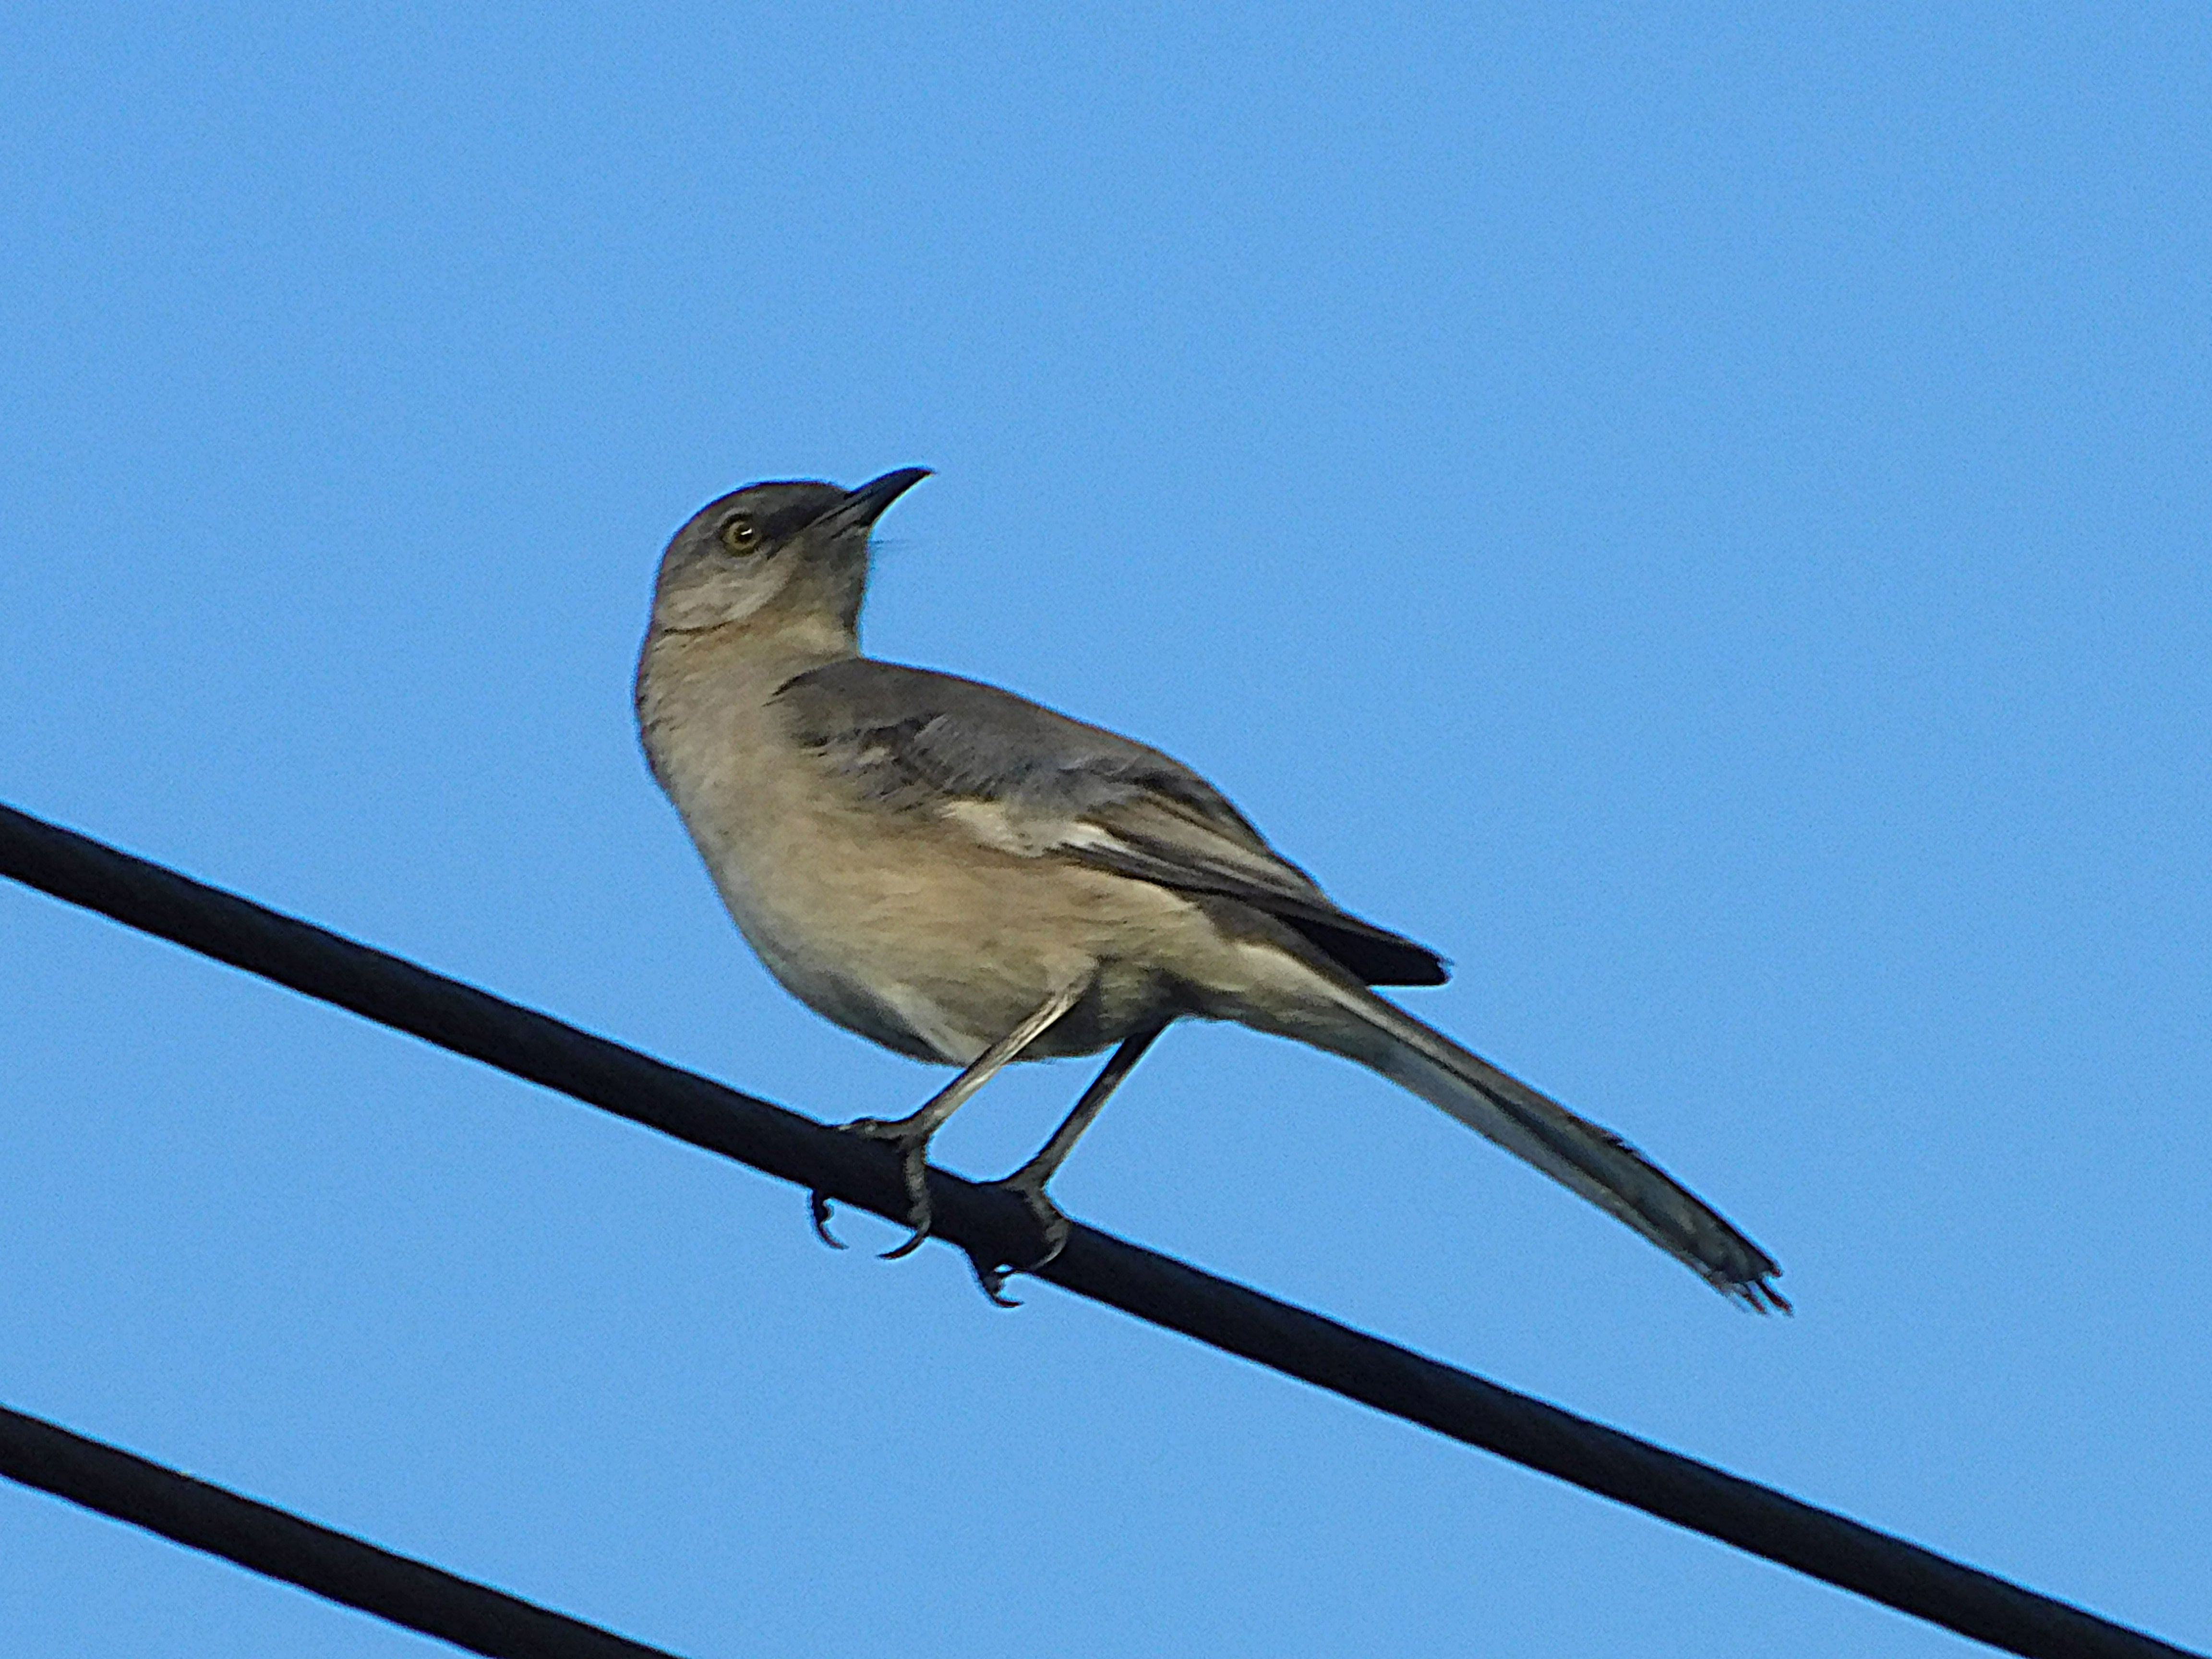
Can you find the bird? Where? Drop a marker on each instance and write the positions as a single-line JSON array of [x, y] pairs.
[[968, 878]]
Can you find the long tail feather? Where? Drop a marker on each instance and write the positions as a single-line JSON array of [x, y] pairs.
[[1579, 1154]]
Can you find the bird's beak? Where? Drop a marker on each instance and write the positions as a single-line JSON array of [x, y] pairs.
[[864, 506]]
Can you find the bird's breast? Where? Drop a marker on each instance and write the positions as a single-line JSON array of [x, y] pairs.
[[897, 926], [899, 923]]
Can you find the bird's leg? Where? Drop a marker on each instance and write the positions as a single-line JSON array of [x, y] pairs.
[[910, 1135], [1028, 1181]]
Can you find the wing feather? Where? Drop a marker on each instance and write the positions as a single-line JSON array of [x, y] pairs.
[[1020, 776]]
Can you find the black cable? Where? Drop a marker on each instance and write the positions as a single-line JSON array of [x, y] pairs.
[[407, 1592], [994, 1224]]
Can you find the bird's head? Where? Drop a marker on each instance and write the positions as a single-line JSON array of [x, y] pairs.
[[779, 555]]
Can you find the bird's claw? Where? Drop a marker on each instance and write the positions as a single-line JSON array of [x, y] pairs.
[[1051, 1223], [991, 1279], [912, 1166], [817, 1205], [913, 1241], [1055, 1227], [914, 1152]]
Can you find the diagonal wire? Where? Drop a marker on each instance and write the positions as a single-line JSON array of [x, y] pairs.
[[268, 1541], [994, 1224]]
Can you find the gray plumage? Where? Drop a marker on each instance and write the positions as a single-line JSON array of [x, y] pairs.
[[966, 875], [916, 740]]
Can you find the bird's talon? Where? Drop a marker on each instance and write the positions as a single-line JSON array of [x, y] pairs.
[[914, 1152], [817, 1205], [1054, 1226], [918, 1215], [1055, 1242], [991, 1276], [992, 1282], [913, 1243]]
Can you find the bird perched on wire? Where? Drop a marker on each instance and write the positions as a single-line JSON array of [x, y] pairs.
[[966, 877]]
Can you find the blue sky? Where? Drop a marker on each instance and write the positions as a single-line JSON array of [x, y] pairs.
[[1701, 518]]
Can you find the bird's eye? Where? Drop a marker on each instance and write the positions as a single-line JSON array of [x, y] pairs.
[[741, 535]]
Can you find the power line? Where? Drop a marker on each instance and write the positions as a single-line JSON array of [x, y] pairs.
[[397, 1588], [994, 1224]]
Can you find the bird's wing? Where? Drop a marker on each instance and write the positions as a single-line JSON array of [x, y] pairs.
[[1022, 778]]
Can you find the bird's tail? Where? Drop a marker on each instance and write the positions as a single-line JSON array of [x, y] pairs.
[[1574, 1152]]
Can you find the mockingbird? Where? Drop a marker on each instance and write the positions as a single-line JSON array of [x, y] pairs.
[[963, 876]]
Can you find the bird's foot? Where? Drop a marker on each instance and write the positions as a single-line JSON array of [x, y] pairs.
[[1054, 1227], [911, 1142]]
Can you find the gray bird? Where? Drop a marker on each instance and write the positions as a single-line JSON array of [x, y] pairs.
[[966, 877]]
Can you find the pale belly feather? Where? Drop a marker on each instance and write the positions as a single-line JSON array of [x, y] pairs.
[[902, 928]]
